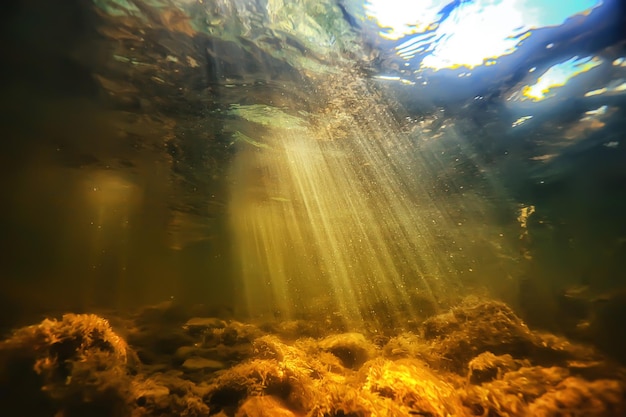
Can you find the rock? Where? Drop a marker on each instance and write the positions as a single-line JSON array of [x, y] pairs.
[[475, 327], [487, 367], [196, 325], [205, 322], [577, 397], [403, 346], [412, 384], [77, 362], [184, 352], [150, 393], [351, 348], [197, 363], [237, 332], [230, 336], [264, 406]]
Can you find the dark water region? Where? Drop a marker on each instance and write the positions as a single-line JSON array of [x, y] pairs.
[[95, 192], [239, 208]]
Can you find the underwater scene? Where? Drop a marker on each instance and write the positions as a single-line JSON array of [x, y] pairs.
[[313, 208]]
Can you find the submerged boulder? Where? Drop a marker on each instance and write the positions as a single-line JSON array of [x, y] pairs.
[[76, 366], [478, 359]]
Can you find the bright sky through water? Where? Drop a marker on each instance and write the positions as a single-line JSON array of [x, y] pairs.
[[470, 34]]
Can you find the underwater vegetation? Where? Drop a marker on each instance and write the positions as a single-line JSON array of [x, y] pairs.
[[477, 359]]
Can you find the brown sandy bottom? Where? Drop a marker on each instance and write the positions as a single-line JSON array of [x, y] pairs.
[[477, 359]]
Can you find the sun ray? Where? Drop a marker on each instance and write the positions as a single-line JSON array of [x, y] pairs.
[[341, 213]]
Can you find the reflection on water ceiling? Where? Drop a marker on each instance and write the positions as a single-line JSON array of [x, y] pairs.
[[444, 34]]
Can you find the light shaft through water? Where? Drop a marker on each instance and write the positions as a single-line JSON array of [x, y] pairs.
[[340, 214]]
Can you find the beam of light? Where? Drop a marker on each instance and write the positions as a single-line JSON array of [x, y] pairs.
[[111, 201], [467, 34], [343, 212]]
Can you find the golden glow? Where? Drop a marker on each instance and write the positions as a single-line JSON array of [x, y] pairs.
[[110, 192], [112, 200], [620, 62], [343, 213]]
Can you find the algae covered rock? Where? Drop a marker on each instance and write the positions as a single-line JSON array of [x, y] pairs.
[[539, 391], [351, 348], [475, 327], [411, 384], [200, 325], [487, 366], [455, 366], [77, 365], [602, 398]]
